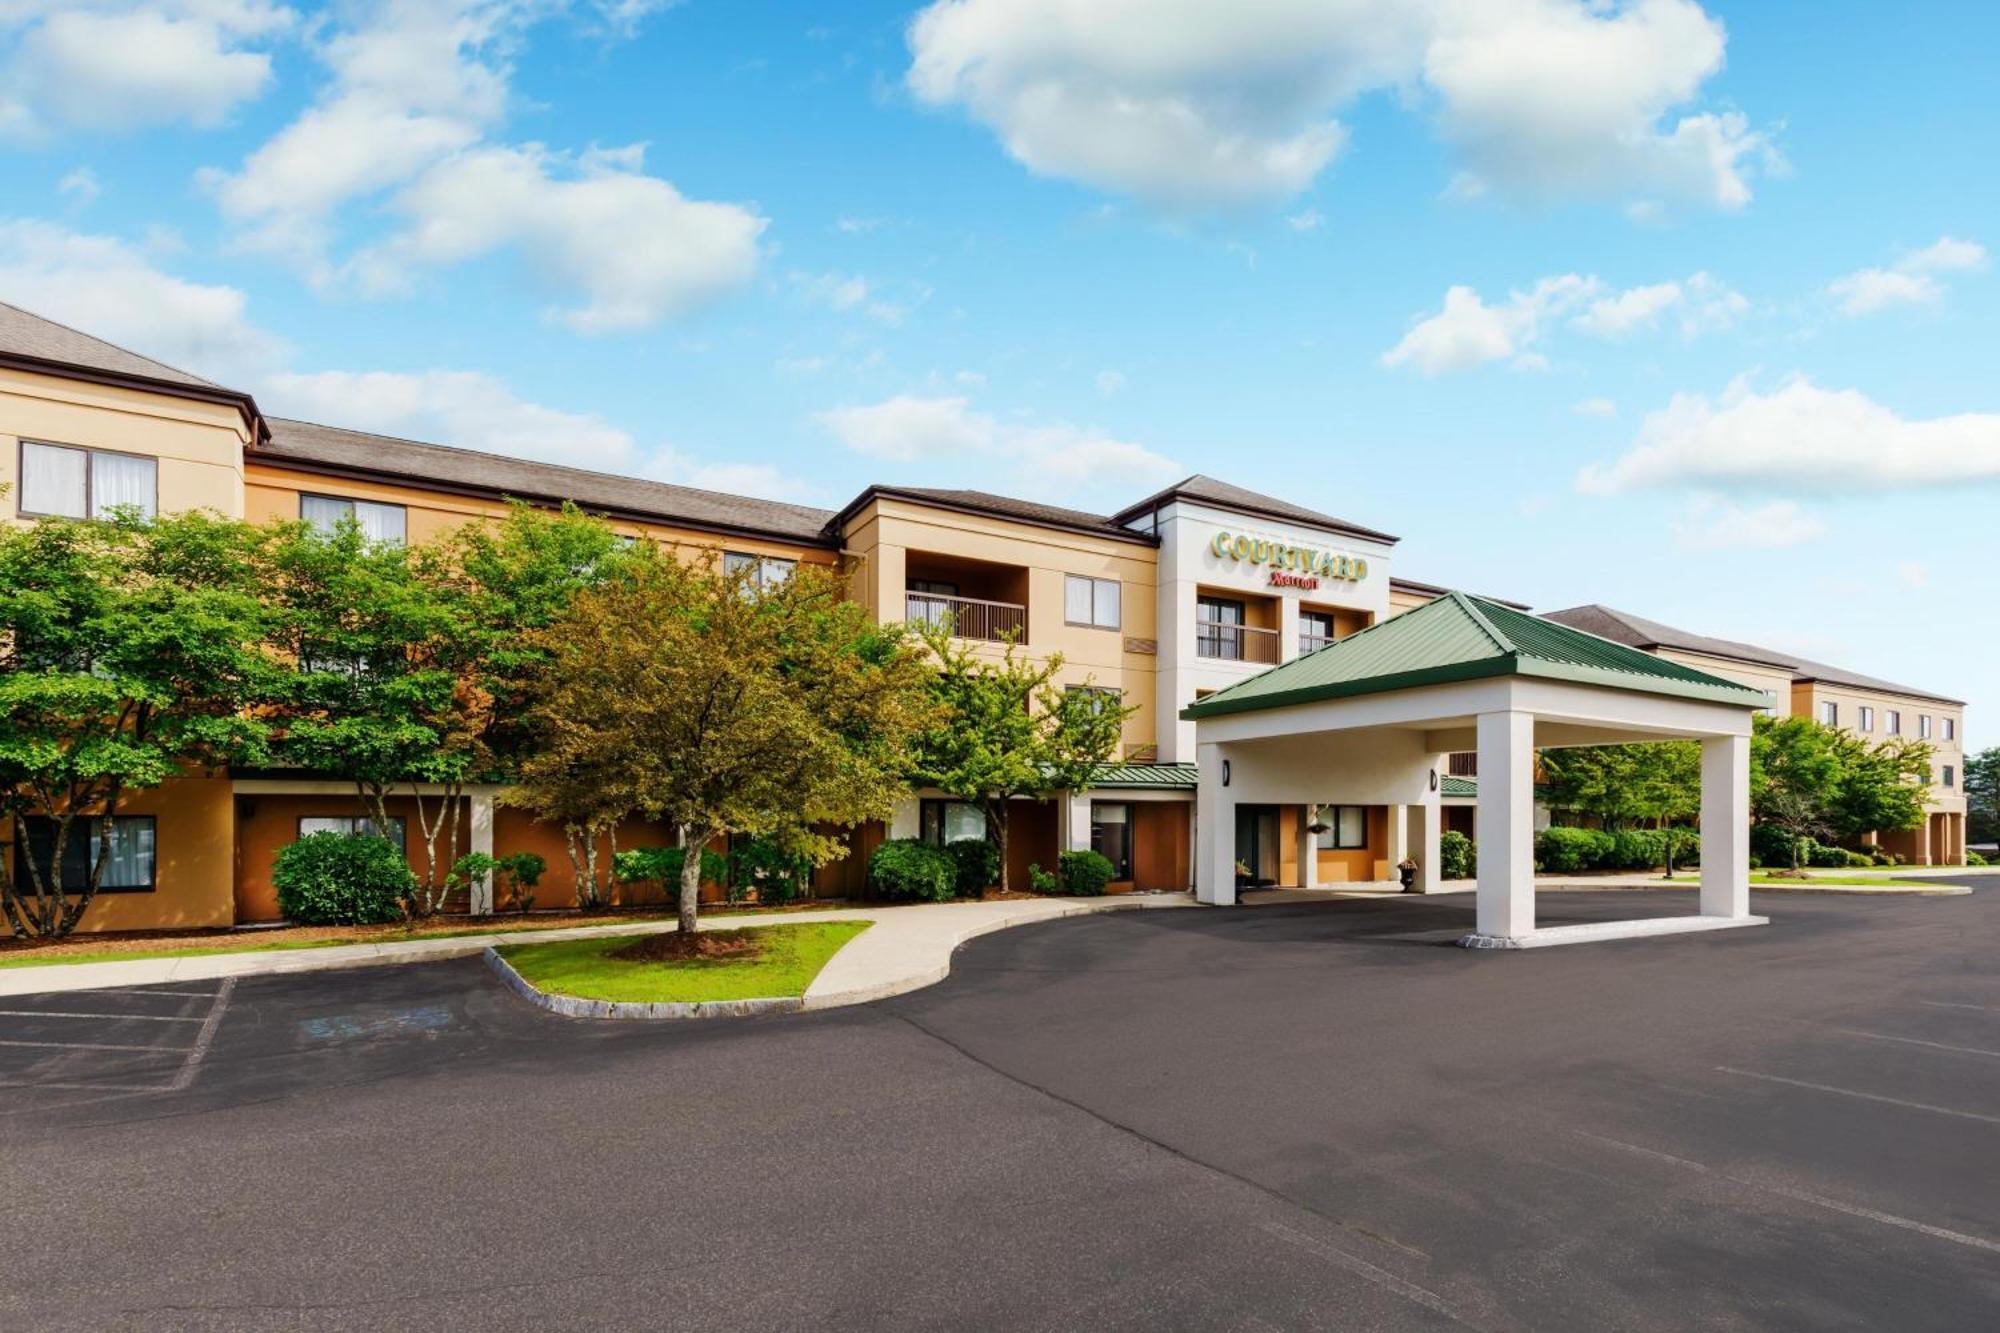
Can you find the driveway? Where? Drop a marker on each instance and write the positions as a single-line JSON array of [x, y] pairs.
[[1319, 1116]]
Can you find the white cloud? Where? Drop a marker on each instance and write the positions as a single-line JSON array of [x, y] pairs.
[[1912, 280], [1596, 407], [1714, 524], [1801, 438], [110, 289], [1704, 304], [837, 291], [1053, 459], [80, 187], [1310, 220], [1190, 104], [1467, 332], [124, 64]]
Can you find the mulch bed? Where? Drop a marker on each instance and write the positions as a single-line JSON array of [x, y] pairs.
[[678, 948]]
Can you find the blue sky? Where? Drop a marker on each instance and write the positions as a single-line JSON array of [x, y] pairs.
[[1685, 308]]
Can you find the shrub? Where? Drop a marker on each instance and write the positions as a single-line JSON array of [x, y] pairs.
[[1083, 874], [1820, 854], [513, 876], [1974, 859], [975, 865], [1041, 881], [906, 870], [1860, 860], [1565, 850], [1771, 845], [662, 866], [336, 879], [1458, 858], [778, 876]]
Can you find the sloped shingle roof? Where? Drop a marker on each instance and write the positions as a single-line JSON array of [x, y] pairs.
[[26, 334], [1208, 490]]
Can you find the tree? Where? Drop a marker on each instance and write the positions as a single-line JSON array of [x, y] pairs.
[[1795, 770], [721, 708], [1656, 781], [1982, 796], [130, 652], [1005, 730], [1881, 786]]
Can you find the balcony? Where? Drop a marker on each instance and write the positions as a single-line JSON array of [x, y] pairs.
[[1225, 642], [1309, 643], [969, 617]]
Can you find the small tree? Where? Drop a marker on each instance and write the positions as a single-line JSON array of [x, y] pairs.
[[1982, 795], [1881, 786], [130, 650], [1652, 781], [1795, 770], [728, 708], [1005, 730]]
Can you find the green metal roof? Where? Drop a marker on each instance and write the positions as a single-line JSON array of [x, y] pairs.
[[1456, 638], [1456, 786], [1177, 777]]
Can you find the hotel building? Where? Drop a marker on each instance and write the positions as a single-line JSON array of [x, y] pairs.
[[1170, 599]]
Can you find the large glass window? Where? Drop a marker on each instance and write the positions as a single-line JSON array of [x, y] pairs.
[[762, 571], [354, 826], [132, 856], [1346, 827], [1088, 601], [62, 480], [1315, 630], [1218, 628], [1111, 836], [941, 821], [378, 522]]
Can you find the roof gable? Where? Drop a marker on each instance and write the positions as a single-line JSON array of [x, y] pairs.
[[1459, 638], [1208, 490]]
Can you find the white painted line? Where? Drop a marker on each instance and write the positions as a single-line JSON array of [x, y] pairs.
[[177, 994], [1360, 1267], [1863, 1096], [1947, 1004], [97, 1046], [1916, 1041], [116, 1018], [1817, 1200], [203, 1039]]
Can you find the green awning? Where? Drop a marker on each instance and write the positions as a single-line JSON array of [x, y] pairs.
[[1458, 637], [1158, 777]]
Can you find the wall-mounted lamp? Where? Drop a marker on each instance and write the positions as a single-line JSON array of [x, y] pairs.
[[1434, 779], [1225, 772]]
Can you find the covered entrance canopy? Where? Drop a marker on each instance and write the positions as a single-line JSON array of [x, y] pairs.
[[1370, 718]]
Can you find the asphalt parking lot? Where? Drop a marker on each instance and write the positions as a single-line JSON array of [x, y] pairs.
[[1278, 1117]]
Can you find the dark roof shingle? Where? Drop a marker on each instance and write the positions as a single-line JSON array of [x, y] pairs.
[[999, 506], [1208, 490], [26, 334]]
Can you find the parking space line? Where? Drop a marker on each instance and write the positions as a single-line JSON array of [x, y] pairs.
[[1917, 1041], [1948, 1004], [1863, 1096], [1803, 1196], [177, 994], [116, 1018], [203, 1039], [1366, 1271], [99, 1046]]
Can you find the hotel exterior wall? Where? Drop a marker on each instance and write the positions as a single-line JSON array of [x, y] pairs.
[[1808, 698], [199, 444], [882, 538], [1774, 681]]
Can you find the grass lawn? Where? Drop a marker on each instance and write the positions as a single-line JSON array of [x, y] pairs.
[[1872, 881], [789, 958]]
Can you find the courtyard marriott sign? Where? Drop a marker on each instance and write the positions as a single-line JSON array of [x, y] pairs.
[[1290, 566]]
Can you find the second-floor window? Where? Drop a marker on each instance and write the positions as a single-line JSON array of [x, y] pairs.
[[1923, 726], [1867, 718], [1315, 630], [1829, 713], [1892, 722], [1950, 776], [63, 481], [1097, 697], [1951, 729], [378, 522], [1088, 601], [763, 571]]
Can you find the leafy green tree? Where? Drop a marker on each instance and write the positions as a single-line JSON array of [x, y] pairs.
[[718, 707], [1982, 796], [1883, 785], [1005, 731], [1657, 782], [130, 652], [1796, 766]]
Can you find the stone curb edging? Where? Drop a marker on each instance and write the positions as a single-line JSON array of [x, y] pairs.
[[571, 1006]]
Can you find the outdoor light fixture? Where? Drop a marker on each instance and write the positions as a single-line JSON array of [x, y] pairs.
[[1434, 779], [1225, 772]]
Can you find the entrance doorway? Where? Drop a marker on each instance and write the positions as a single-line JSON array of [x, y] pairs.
[[1256, 845]]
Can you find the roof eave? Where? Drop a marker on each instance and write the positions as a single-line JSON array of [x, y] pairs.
[[838, 523], [1505, 664], [1326, 522], [217, 393]]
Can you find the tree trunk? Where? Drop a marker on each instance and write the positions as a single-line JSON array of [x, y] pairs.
[[996, 819], [693, 842]]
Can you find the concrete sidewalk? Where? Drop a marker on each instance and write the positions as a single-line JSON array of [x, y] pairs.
[[904, 948]]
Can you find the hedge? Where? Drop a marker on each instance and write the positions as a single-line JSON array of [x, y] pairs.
[[907, 870], [1568, 850], [975, 865], [1458, 858], [1083, 874], [339, 879]]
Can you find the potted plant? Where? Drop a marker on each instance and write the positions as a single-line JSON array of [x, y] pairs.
[[1406, 871]]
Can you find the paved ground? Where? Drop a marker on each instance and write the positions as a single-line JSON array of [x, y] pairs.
[[1283, 1117]]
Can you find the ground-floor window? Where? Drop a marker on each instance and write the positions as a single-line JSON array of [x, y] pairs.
[[354, 826], [1346, 827], [941, 821], [132, 854], [1111, 836]]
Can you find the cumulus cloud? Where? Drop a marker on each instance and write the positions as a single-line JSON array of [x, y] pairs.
[[114, 290], [1911, 280], [1700, 304], [1711, 523], [1189, 104], [125, 64], [1054, 459], [1800, 438], [1468, 332]]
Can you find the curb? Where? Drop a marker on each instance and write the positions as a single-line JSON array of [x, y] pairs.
[[571, 1006]]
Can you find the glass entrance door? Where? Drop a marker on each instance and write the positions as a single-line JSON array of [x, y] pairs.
[[1257, 844]]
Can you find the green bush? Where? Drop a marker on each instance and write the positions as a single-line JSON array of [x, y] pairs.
[[906, 870], [662, 866], [514, 877], [1041, 881], [778, 876], [1565, 850], [1860, 860], [336, 879], [1974, 859], [1822, 855], [975, 865], [1457, 857], [1083, 874], [1772, 846]]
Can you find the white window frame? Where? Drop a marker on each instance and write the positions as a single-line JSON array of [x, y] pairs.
[[1829, 713], [1923, 726], [354, 507], [89, 508], [767, 571], [1866, 719], [1102, 592], [1892, 722]]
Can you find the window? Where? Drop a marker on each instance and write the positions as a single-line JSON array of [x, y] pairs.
[[1099, 697], [1111, 836], [1892, 722], [1829, 713], [1951, 728], [1923, 726], [1218, 628], [354, 826], [378, 522], [61, 480], [763, 571], [130, 869], [1346, 827], [1950, 776], [1089, 601], [940, 821], [1315, 630], [1867, 716]]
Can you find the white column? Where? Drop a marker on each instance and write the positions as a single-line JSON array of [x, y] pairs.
[[1398, 845], [481, 840], [1073, 814], [1214, 830], [1288, 628], [1308, 849], [1506, 825], [1430, 866], [1725, 826]]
